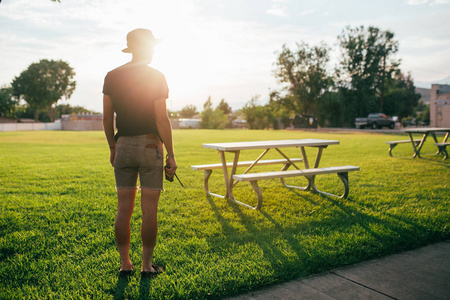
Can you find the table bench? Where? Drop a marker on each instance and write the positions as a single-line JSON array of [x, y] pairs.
[[341, 171], [425, 132], [395, 143], [231, 178], [442, 149], [210, 167]]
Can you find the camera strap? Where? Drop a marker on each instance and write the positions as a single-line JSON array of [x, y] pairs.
[[178, 179]]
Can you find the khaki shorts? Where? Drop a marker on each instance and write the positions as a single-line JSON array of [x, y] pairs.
[[139, 155]]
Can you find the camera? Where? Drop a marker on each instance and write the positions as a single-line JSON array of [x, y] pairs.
[[170, 178]]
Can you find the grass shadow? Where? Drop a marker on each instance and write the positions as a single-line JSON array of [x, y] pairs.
[[144, 287], [438, 160], [122, 284], [260, 236], [404, 229]]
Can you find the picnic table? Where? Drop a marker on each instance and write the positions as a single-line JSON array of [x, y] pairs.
[[231, 178], [418, 143]]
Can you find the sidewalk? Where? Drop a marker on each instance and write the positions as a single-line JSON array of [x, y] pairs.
[[419, 274]]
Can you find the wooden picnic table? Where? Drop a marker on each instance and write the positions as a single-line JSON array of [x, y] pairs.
[[231, 179], [425, 132]]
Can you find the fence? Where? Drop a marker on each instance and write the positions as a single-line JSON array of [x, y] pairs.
[[57, 125], [31, 126]]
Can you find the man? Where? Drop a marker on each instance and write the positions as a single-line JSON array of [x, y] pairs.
[[137, 94]]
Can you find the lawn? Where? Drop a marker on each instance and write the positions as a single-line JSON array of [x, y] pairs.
[[58, 202]]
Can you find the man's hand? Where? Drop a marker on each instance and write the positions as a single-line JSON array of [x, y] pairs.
[[170, 161], [112, 156]]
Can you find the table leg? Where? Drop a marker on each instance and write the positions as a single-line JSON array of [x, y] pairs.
[[311, 179], [251, 166], [230, 183], [304, 157], [290, 163], [436, 141], [318, 156], [446, 137], [225, 173], [419, 147], [316, 164], [444, 152], [229, 179], [312, 184]]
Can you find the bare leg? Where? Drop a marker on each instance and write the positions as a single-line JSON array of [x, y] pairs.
[[149, 228], [125, 207]]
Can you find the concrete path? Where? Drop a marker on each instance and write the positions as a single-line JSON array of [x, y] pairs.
[[419, 274]]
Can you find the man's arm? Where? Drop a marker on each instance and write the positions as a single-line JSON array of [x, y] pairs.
[[165, 133], [108, 126]]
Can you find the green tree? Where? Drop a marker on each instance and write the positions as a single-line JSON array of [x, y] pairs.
[[400, 96], [281, 115], [304, 71], [188, 111], [172, 114], [424, 115], [223, 106], [366, 64], [43, 84], [7, 103], [331, 111], [66, 109], [213, 118], [257, 116], [227, 111]]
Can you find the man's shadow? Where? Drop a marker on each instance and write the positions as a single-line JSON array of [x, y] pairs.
[[122, 283], [144, 288]]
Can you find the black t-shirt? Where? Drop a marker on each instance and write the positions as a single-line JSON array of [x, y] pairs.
[[133, 88]]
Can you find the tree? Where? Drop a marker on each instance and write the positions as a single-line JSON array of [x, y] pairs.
[[212, 118], [7, 103], [424, 114], [223, 106], [66, 109], [304, 71], [400, 96], [366, 64], [172, 114], [258, 117], [188, 111], [331, 111], [44, 84]]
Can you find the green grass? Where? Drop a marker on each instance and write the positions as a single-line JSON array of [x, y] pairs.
[[58, 203]]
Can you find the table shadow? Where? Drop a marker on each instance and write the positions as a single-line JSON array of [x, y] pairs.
[[348, 212]]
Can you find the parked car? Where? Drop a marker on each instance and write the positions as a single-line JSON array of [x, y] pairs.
[[375, 121]]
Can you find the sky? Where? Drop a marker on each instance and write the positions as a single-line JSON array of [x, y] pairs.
[[223, 49]]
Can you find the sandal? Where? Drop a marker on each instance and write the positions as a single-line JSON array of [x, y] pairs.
[[158, 270], [124, 273]]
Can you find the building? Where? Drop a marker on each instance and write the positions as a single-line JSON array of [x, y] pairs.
[[440, 105]]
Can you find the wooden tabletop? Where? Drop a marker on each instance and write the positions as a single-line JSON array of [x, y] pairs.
[[426, 129], [270, 144]]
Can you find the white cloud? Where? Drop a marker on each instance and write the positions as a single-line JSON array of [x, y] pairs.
[[276, 10], [307, 12], [205, 52], [417, 2]]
